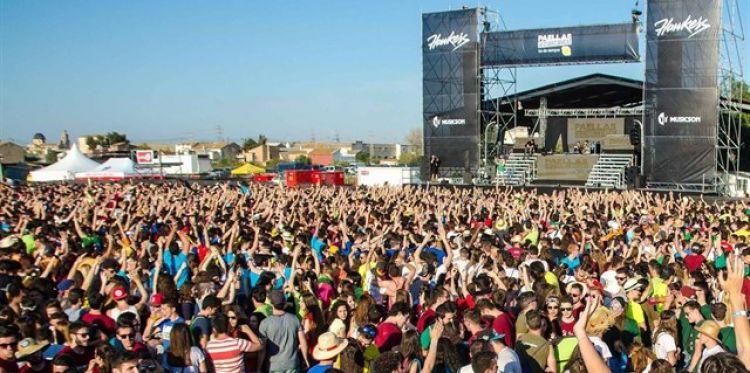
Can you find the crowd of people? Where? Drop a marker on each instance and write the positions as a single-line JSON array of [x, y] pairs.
[[227, 277]]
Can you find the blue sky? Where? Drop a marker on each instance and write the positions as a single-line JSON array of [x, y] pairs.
[[166, 71]]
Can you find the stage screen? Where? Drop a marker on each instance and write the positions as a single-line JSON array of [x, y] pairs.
[[681, 91], [450, 86], [561, 45]]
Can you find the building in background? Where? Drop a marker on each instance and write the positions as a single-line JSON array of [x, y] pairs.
[[214, 151], [344, 155], [384, 152], [321, 156], [261, 154], [11, 153]]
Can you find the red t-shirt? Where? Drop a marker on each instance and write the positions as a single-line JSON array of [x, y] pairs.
[[504, 324], [427, 318], [9, 366], [567, 328], [388, 337], [103, 322], [81, 361], [516, 252], [694, 261], [746, 289]]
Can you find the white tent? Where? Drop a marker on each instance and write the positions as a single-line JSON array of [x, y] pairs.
[[66, 168], [117, 169]]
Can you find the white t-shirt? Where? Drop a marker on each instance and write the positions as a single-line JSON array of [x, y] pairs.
[[665, 344], [508, 361], [609, 280], [601, 348], [708, 352]]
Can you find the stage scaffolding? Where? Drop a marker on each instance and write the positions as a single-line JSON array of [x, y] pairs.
[[731, 83], [495, 115]]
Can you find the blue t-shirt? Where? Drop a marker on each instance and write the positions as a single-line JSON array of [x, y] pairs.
[[439, 254], [172, 264], [317, 247], [166, 328], [320, 368], [572, 263]]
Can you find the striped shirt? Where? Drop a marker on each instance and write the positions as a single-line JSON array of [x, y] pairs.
[[226, 354]]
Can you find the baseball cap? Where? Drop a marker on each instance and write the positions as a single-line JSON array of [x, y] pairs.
[[119, 293], [277, 298], [368, 331], [65, 284], [687, 292], [157, 299], [490, 335]]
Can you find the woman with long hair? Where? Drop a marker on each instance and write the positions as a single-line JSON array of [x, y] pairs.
[[338, 318], [665, 337], [552, 312], [448, 360], [640, 357], [411, 350], [241, 326], [182, 356], [360, 314], [102, 361], [313, 323], [352, 358]]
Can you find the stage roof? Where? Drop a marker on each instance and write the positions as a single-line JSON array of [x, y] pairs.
[[589, 91]]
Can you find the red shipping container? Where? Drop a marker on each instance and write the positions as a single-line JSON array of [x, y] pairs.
[[317, 177], [292, 178], [335, 178], [263, 178]]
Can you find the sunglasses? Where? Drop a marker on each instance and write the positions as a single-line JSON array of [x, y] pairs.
[[552, 307], [126, 336], [566, 309], [84, 334], [6, 345], [575, 295], [232, 317]]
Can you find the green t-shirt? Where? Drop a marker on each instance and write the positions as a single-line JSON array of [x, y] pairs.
[[728, 339], [564, 351], [30, 242], [721, 261], [424, 338], [688, 335]]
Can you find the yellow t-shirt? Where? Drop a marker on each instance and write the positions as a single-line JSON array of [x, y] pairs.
[[659, 289], [551, 279], [635, 313]]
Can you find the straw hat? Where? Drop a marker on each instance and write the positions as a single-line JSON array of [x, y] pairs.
[[710, 329], [600, 321], [329, 346], [28, 346]]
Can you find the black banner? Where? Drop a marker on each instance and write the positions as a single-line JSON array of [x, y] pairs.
[[561, 45], [450, 86], [681, 91]]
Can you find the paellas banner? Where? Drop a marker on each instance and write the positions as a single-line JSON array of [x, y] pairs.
[[681, 91], [561, 45], [593, 129]]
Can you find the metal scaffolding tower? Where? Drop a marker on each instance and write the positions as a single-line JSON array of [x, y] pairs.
[[731, 83], [496, 83]]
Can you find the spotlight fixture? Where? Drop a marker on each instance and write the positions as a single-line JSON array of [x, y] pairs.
[[487, 26]]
